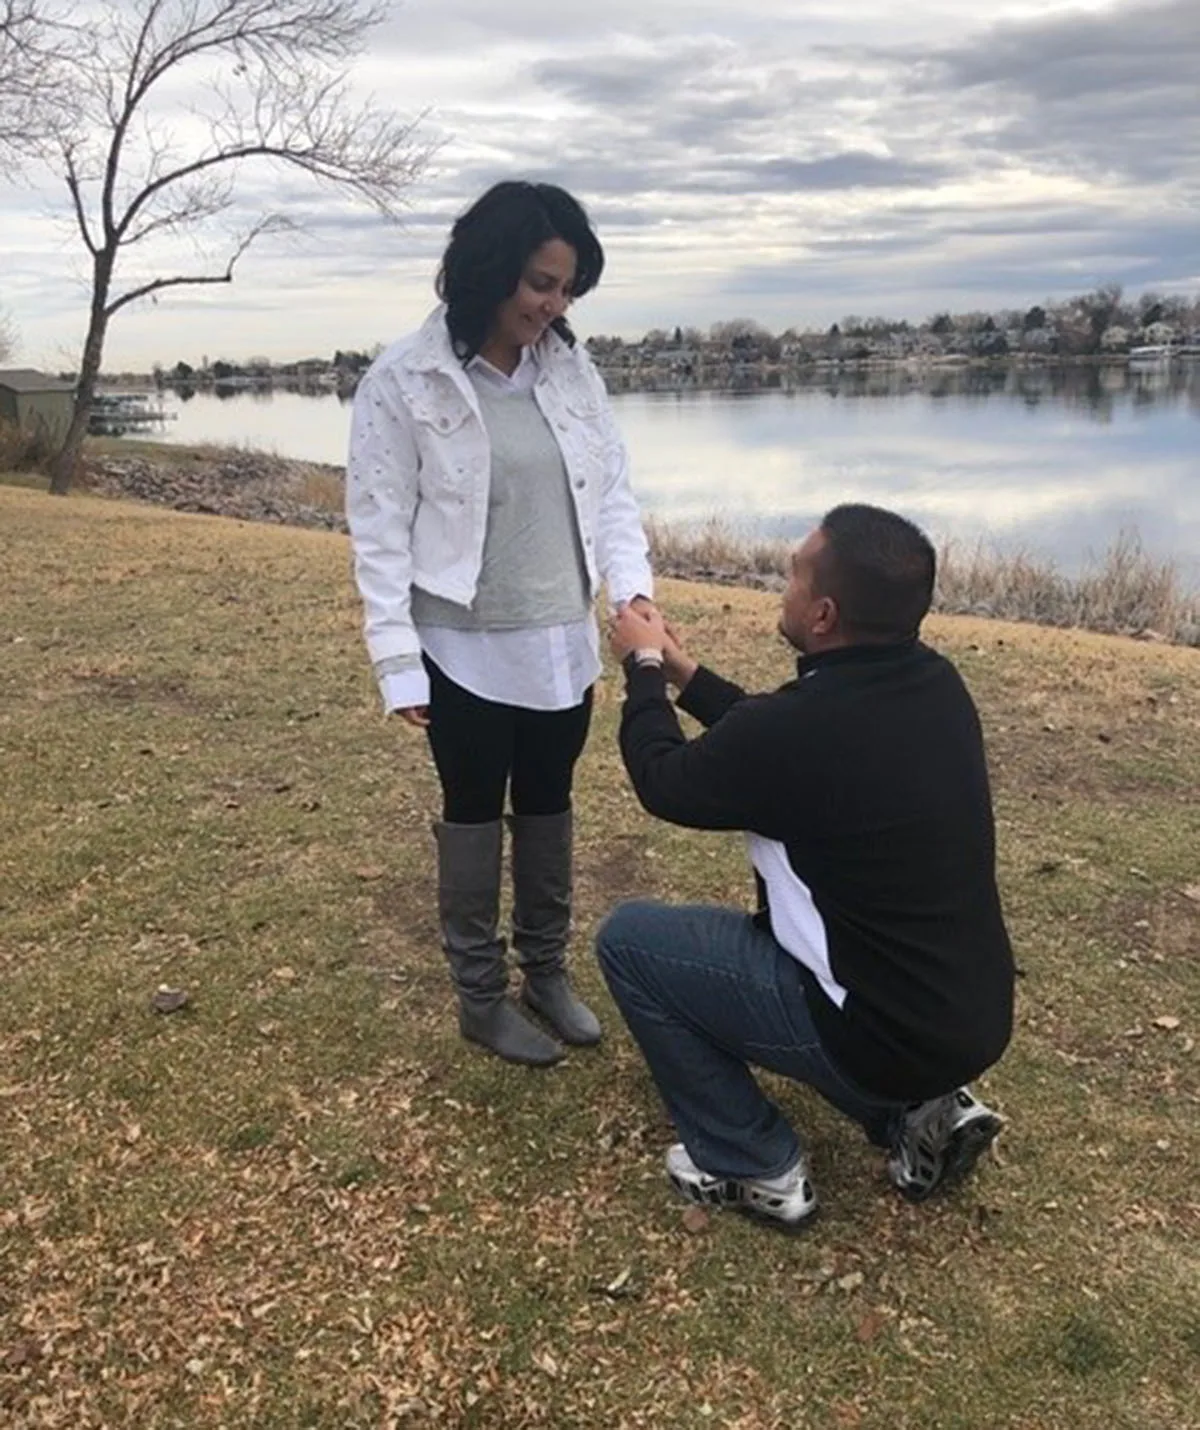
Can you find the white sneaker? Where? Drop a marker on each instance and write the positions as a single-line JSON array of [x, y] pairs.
[[786, 1202], [940, 1142]]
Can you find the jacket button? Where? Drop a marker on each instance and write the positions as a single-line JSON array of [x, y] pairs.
[[580, 484]]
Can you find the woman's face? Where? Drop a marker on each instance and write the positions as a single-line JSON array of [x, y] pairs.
[[543, 294]]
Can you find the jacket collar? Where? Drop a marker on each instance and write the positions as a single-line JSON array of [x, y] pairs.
[[432, 350], [857, 655]]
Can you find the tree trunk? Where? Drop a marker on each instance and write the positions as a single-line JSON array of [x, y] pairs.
[[65, 466]]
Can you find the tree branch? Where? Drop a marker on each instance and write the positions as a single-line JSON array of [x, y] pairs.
[[29, 54], [273, 223], [75, 189]]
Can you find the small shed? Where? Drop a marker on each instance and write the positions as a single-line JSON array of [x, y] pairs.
[[36, 401]]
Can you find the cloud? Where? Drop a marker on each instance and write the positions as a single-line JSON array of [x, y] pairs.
[[1108, 94], [753, 159]]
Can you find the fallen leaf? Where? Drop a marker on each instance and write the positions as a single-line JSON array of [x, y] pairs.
[[851, 1282], [285, 974], [1167, 1022], [546, 1363], [870, 1326], [170, 1000], [1191, 891], [369, 872], [133, 1133], [21, 1354], [616, 1284], [695, 1219]]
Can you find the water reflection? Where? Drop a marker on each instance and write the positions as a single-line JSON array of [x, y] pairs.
[[1054, 460], [1057, 462], [1096, 389]]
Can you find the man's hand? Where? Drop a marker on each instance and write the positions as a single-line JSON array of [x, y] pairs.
[[640, 626], [636, 626], [417, 715], [678, 666]]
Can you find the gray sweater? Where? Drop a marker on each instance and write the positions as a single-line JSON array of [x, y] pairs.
[[533, 570]]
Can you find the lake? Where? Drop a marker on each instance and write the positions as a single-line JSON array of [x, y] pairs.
[[1053, 461]]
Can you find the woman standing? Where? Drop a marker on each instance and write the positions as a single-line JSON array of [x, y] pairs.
[[488, 498]]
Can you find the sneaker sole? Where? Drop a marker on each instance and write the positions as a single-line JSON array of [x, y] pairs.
[[967, 1144], [746, 1209]]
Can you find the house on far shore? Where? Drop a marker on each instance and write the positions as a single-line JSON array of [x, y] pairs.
[[35, 401]]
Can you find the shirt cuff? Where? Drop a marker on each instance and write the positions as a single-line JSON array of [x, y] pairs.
[[622, 591], [403, 689]]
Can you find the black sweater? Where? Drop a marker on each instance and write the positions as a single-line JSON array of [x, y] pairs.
[[869, 769]]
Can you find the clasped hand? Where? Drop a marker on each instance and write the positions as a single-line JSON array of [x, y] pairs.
[[640, 625]]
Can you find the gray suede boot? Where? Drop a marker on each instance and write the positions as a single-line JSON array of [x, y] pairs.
[[469, 909], [541, 866]]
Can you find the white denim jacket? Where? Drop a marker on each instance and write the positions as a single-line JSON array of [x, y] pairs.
[[419, 468]]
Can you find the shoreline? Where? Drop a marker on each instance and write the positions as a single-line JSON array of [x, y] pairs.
[[1127, 593]]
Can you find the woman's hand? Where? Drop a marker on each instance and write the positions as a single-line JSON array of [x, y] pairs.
[[639, 625], [417, 715]]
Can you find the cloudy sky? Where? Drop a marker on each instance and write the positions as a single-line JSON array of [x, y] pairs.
[[786, 160]]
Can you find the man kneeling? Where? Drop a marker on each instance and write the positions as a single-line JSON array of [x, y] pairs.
[[877, 969]]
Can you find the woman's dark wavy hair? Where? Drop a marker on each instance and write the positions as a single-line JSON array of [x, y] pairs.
[[491, 244]]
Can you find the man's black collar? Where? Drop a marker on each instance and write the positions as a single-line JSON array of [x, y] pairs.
[[855, 654]]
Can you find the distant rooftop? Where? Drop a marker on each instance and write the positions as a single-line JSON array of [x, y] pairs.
[[27, 379]]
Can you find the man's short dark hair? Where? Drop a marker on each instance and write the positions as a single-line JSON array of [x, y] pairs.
[[880, 570]]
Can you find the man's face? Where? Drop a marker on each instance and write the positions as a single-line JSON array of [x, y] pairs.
[[805, 619]]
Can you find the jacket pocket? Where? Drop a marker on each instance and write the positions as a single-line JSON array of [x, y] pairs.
[[442, 434]]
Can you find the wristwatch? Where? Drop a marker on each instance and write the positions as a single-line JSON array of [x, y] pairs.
[[648, 655]]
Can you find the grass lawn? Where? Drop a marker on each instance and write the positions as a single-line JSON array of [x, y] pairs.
[[301, 1201]]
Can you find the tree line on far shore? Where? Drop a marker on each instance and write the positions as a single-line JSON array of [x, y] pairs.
[[1099, 322], [1090, 324]]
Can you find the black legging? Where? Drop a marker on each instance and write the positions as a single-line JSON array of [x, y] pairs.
[[479, 746]]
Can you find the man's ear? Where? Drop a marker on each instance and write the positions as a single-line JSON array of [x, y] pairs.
[[825, 617]]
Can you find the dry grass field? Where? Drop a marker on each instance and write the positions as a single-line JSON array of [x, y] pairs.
[[301, 1201]]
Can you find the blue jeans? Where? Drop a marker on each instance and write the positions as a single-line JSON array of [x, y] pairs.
[[705, 992]]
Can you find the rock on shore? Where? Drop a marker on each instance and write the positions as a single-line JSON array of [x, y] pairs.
[[246, 485]]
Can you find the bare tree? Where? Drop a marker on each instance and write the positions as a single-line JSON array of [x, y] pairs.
[[268, 85]]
